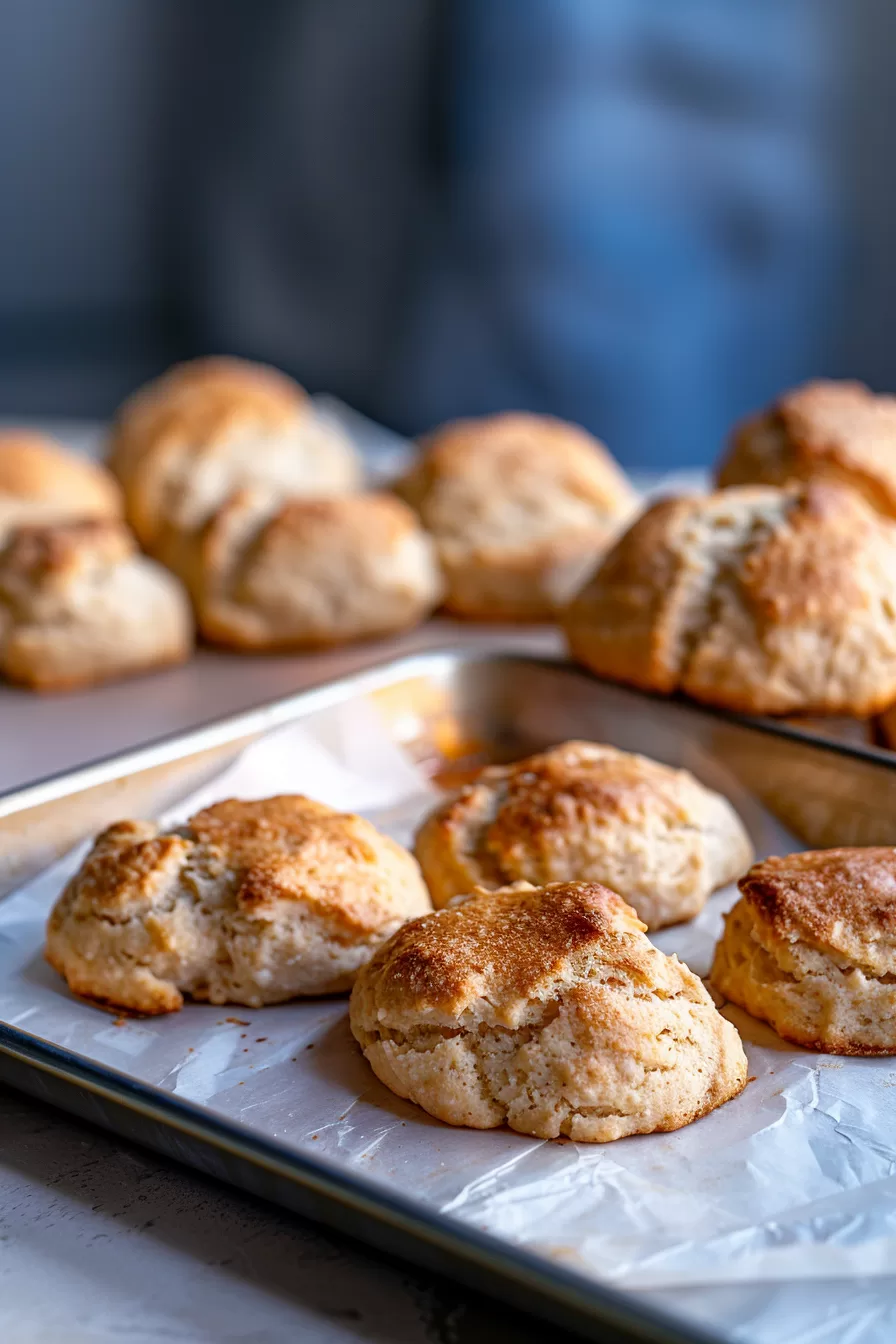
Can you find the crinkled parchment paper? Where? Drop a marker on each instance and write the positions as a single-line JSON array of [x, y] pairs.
[[771, 1219]]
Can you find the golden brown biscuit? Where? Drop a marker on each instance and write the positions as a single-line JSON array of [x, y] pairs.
[[183, 444], [756, 599], [546, 1009], [521, 507], [587, 813], [249, 902], [80, 605], [309, 573], [811, 948], [41, 482], [824, 430]]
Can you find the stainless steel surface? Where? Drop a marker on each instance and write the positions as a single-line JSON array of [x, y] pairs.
[[43, 735], [444, 707], [132, 747]]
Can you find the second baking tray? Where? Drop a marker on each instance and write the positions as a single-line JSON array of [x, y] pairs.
[[710, 1233]]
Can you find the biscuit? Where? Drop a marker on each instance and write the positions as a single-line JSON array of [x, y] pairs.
[[521, 508], [249, 902], [755, 599], [80, 605], [824, 430], [587, 813], [309, 573], [41, 482], [810, 948], [182, 445], [546, 1009]]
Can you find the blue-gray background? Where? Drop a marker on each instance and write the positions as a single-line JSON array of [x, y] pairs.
[[646, 215]]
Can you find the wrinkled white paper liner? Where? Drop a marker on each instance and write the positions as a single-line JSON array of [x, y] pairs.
[[792, 1181]]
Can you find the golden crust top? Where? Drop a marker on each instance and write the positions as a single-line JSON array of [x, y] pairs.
[[507, 947], [755, 598], [500, 457], [199, 401], [835, 430], [186, 444], [282, 849], [57, 553], [33, 468], [309, 572], [587, 812], [840, 901], [248, 902]]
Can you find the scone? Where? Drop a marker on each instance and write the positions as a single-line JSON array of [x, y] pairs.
[[521, 507], [548, 1010], [810, 948], [183, 444], [41, 482], [835, 431], [79, 605], [309, 573], [587, 813], [756, 599], [249, 902]]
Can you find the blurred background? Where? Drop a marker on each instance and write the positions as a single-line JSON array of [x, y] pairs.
[[645, 216]]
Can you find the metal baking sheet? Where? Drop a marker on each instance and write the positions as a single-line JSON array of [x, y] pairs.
[[773, 1217]]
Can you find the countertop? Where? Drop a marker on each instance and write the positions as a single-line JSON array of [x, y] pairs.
[[102, 1242]]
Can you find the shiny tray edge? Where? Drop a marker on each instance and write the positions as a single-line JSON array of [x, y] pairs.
[[313, 1188], [300, 704], [307, 1186]]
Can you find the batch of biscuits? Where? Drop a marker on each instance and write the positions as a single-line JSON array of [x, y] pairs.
[[500, 972]]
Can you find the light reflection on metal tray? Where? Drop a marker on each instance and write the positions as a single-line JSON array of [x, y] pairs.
[[447, 711]]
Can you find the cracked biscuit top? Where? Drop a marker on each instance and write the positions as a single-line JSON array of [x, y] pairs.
[[836, 431], [41, 482], [811, 949], [755, 599], [587, 812], [183, 444], [547, 1009], [249, 902]]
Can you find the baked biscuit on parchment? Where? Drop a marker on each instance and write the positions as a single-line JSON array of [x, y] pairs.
[[582, 812], [548, 1010], [810, 948], [249, 902]]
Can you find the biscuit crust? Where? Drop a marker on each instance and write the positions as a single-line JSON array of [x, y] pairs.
[[521, 508], [42, 482], [182, 445], [755, 599], [546, 1009], [310, 573], [590, 813], [79, 605], [249, 902], [835, 431], [810, 948]]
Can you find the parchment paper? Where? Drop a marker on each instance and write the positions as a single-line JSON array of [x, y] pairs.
[[773, 1218]]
